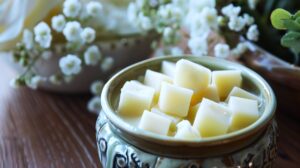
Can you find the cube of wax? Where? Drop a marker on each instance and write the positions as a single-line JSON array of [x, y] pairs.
[[192, 112], [225, 81], [168, 68], [154, 123], [210, 93], [238, 92], [186, 132], [212, 119], [175, 120], [154, 80], [244, 112], [135, 98], [191, 75], [174, 100]]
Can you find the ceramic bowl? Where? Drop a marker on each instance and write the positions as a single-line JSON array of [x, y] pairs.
[[122, 145]]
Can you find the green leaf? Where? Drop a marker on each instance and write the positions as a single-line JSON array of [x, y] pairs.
[[291, 40], [297, 14], [291, 25], [277, 17]]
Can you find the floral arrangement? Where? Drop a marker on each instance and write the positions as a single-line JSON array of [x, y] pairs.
[[283, 20], [173, 19]]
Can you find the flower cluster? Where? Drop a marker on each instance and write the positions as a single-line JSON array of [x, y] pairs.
[[76, 49], [197, 19]]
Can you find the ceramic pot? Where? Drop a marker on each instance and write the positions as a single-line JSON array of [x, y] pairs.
[[122, 145], [125, 51]]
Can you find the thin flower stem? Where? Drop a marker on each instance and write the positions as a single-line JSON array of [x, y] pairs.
[[29, 67]]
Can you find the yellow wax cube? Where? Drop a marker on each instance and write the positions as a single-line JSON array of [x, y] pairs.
[[244, 112], [186, 132], [238, 92], [135, 98], [175, 100], [154, 80], [168, 68], [192, 112], [212, 119], [154, 123], [225, 81], [175, 120], [191, 75], [210, 93]]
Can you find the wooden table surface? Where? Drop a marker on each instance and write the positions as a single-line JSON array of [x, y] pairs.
[[41, 129]]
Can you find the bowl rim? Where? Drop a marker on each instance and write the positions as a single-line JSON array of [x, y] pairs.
[[260, 124]]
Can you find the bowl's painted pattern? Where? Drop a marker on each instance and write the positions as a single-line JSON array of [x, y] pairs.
[[114, 152]]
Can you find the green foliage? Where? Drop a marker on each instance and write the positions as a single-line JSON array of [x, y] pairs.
[[279, 17], [291, 40]]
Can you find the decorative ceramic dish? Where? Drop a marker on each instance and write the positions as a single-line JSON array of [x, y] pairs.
[[122, 145]]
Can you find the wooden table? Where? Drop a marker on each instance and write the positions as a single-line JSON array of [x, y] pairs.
[[41, 129]]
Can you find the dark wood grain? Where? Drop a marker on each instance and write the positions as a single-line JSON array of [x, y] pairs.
[[41, 129]]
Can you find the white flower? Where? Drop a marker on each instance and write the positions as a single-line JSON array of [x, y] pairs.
[[252, 4], [42, 34], [240, 49], [94, 105], [248, 19], [14, 83], [144, 22], [236, 23], [198, 5], [94, 8], [169, 11], [71, 8], [72, 31], [231, 10], [46, 55], [176, 51], [28, 39], [210, 17], [198, 45], [34, 82], [92, 55], [132, 12], [168, 32], [58, 23], [96, 87], [55, 79], [222, 50], [107, 63], [70, 65], [88, 35], [253, 33]]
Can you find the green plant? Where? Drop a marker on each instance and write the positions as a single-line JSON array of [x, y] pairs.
[[283, 20]]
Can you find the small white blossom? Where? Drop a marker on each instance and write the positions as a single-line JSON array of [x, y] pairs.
[[231, 10], [240, 49], [168, 32], [248, 19], [236, 23], [198, 5], [34, 82], [198, 45], [94, 8], [88, 35], [14, 83], [169, 11], [222, 50], [55, 79], [132, 12], [253, 33], [252, 4], [92, 55], [72, 31], [107, 63], [176, 51], [209, 17], [94, 105], [96, 87], [42, 34], [71, 8], [144, 22], [58, 23], [46, 55], [27, 39], [70, 65]]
